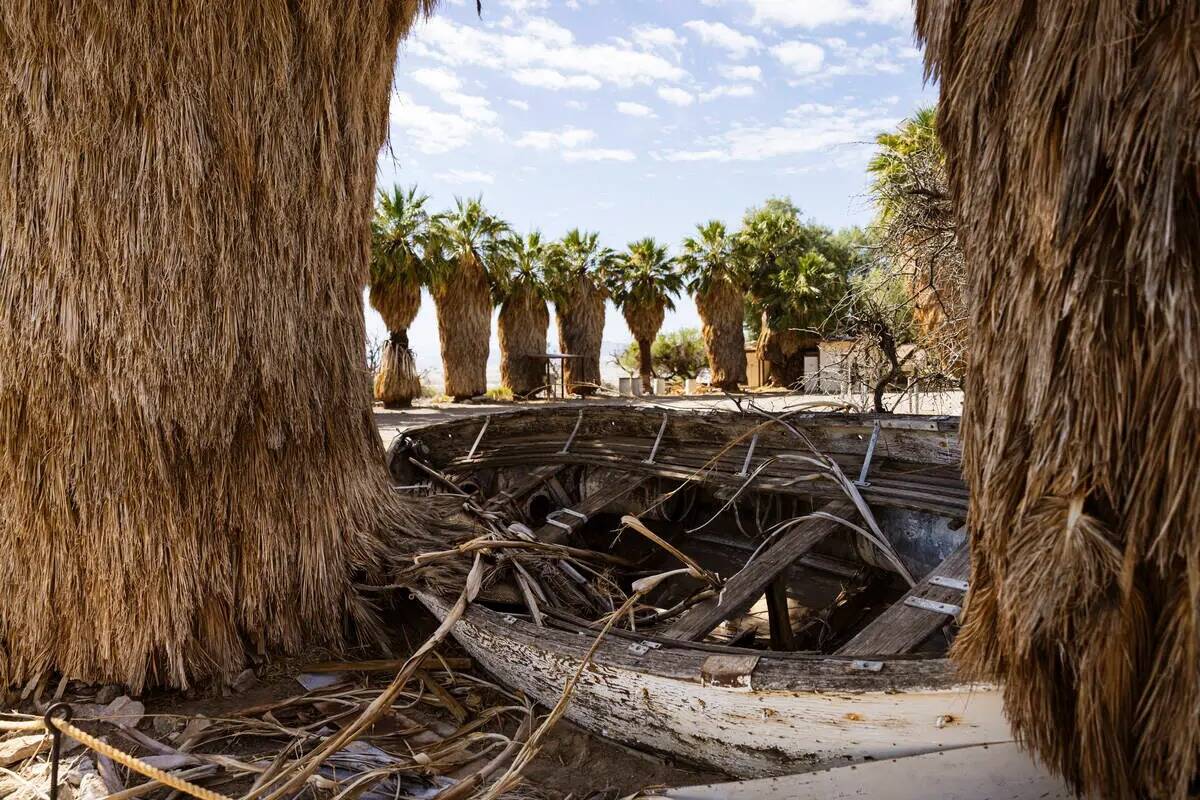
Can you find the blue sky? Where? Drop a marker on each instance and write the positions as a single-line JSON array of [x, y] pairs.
[[645, 117]]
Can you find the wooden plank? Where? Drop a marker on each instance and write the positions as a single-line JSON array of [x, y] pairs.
[[566, 522], [524, 487], [748, 585], [903, 627]]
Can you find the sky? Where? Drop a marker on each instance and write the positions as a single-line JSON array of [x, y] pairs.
[[640, 118]]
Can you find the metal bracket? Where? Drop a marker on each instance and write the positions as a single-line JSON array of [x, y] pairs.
[[866, 666], [749, 455], [949, 583], [866, 467], [574, 431], [486, 421], [926, 604], [509, 619], [657, 441], [643, 647]]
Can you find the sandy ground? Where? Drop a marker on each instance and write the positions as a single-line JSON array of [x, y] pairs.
[[425, 413]]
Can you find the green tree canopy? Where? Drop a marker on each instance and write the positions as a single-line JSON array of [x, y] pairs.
[[579, 254], [798, 270], [711, 256], [519, 264], [645, 275], [399, 238], [468, 230]]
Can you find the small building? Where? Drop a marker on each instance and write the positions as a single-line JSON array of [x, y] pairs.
[[834, 366]]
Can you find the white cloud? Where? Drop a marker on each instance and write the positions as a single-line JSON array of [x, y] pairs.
[[599, 154], [651, 37], [466, 176], [519, 104], [440, 80], [817, 13], [576, 105], [732, 90], [634, 109], [429, 130], [740, 72], [544, 53], [676, 96], [563, 138], [806, 129], [721, 35], [447, 86], [887, 57], [804, 58], [555, 80], [471, 106]]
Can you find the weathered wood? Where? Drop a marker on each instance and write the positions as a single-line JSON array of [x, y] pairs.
[[566, 522], [525, 487], [782, 637], [747, 585], [802, 711], [903, 627]]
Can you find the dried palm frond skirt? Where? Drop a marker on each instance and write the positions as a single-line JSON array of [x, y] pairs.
[[1071, 130], [189, 468]]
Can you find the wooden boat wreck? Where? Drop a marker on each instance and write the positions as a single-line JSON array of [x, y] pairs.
[[829, 563]]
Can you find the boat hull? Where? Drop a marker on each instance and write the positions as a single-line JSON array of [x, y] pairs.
[[795, 714]]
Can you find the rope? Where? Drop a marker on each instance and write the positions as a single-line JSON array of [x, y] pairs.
[[135, 764]]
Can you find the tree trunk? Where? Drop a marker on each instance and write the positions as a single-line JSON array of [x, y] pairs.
[[188, 463], [397, 382], [581, 332], [464, 317], [522, 326], [646, 364], [1070, 131], [724, 339]]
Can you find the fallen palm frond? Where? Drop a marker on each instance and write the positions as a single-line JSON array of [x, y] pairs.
[[348, 738], [188, 470], [1070, 134]]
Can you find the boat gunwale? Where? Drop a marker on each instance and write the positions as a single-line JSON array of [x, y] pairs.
[[675, 660]]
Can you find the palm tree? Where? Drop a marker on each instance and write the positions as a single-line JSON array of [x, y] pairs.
[[916, 227], [717, 278], [1073, 172], [519, 288], [577, 269], [189, 472], [797, 274], [642, 284], [464, 241], [398, 270]]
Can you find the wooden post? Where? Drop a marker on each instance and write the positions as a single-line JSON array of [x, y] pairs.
[[782, 637]]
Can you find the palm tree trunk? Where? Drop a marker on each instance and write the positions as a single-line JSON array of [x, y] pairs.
[[1079, 225], [522, 326], [721, 312], [397, 382], [580, 332], [464, 316], [189, 468], [646, 363]]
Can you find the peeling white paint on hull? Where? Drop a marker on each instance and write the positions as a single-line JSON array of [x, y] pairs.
[[798, 714]]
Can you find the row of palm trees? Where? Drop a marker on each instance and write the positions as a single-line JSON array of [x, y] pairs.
[[472, 261]]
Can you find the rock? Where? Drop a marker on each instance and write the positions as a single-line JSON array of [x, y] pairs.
[[107, 694], [20, 748], [245, 681]]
